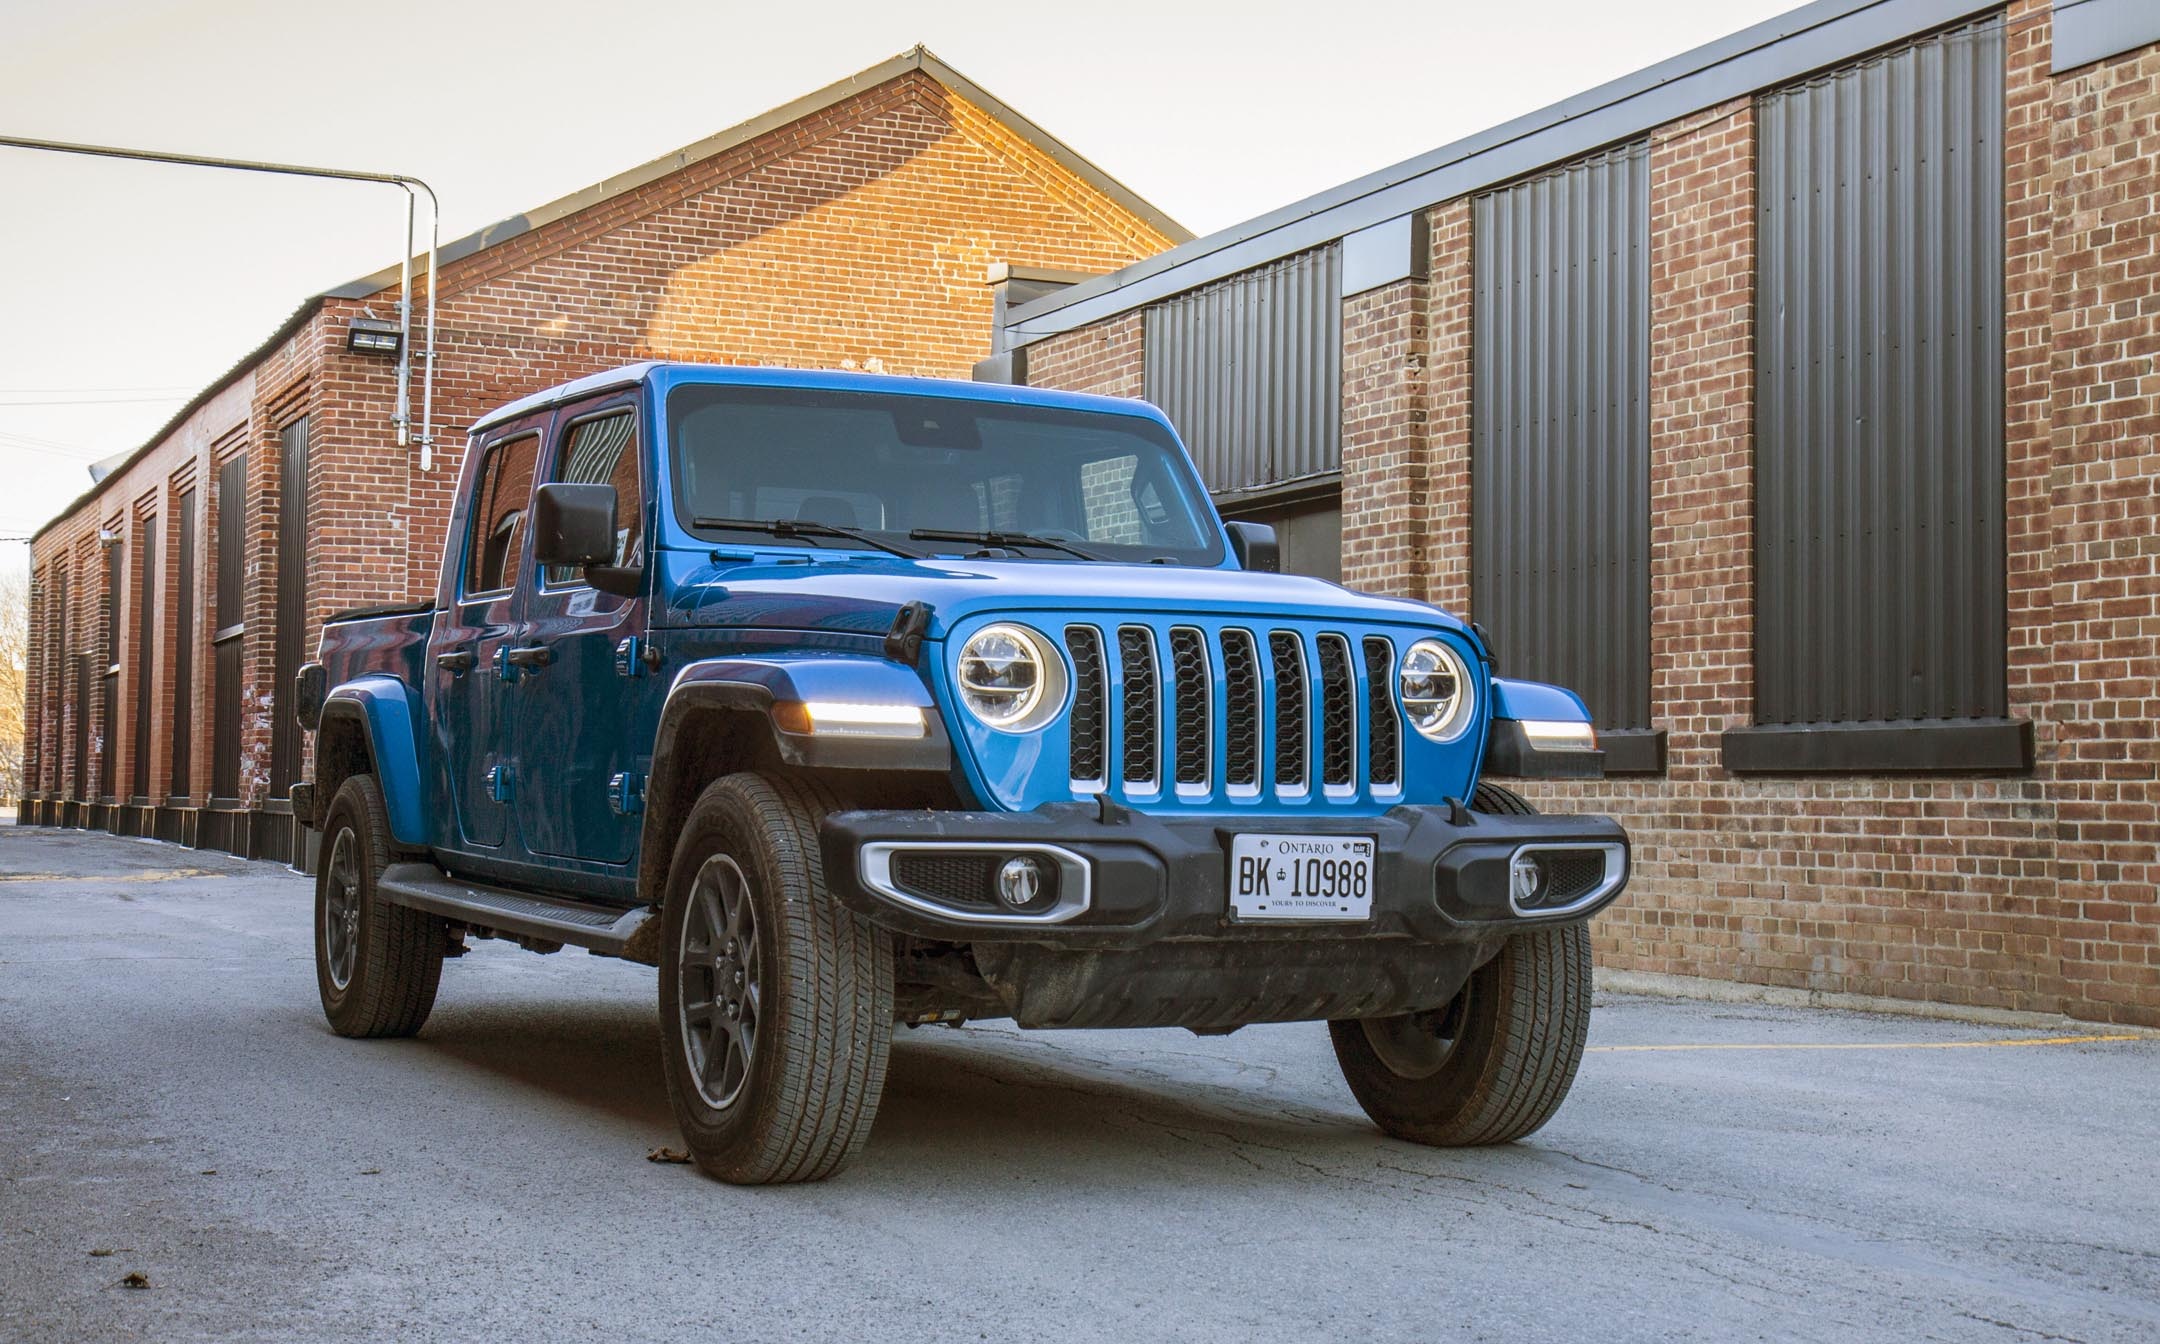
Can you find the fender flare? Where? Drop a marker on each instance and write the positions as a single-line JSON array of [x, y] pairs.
[[384, 707], [1511, 750], [755, 686]]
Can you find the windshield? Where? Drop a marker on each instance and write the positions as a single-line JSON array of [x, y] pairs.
[[1050, 484]]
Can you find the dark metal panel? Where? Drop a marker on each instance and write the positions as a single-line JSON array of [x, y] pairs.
[[2093, 30], [1250, 372], [1879, 389], [183, 720], [290, 636], [1560, 430], [1811, 37]]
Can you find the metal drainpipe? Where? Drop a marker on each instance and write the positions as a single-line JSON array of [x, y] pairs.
[[402, 181]]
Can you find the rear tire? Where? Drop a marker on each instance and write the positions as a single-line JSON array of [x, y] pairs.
[[776, 1002], [1494, 1064], [377, 965]]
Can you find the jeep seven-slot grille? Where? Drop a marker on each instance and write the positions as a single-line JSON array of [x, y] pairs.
[[1090, 731], [1233, 710], [1142, 704]]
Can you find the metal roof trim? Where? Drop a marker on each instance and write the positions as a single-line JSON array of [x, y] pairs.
[[1825, 33]]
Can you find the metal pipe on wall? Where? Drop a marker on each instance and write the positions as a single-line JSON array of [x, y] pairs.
[[404, 182]]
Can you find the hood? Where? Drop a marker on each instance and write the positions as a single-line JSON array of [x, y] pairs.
[[859, 593]]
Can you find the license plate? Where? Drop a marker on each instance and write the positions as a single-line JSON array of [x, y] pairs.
[[1301, 876]]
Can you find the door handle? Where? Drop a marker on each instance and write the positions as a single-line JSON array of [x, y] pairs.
[[533, 656], [456, 664]]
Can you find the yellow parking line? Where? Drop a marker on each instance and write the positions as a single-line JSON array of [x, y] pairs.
[[148, 875], [1866, 1045]]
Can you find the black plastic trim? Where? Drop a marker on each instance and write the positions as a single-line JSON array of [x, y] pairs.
[[1441, 877], [1508, 752], [1994, 746]]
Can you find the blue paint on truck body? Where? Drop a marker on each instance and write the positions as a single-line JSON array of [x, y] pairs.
[[508, 772]]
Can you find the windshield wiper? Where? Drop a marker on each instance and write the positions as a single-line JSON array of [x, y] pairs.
[[804, 527], [1006, 539]]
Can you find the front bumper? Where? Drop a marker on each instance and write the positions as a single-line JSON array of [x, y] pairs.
[[1441, 874], [1155, 944]]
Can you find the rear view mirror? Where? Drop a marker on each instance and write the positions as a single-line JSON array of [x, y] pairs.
[[574, 525], [1255, 547]]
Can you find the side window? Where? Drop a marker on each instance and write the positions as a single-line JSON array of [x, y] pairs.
[[603, 451], [498, 516]]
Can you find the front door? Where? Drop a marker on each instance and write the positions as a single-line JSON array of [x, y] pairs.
[[586, 699], [474, 635]]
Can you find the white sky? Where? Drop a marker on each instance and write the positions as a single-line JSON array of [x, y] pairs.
[[124, 288]]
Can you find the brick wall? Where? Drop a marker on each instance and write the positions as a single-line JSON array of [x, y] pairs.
[[2038, 891], [856, 237], [2105, 561], [1104, 359]]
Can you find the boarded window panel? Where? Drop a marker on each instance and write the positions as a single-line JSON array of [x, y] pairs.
[[229, 631], [146, 595], [1250, 372], [1879, 376], [85, 673], [183, 717], [108, 728], [1560, 469], [291, 635]]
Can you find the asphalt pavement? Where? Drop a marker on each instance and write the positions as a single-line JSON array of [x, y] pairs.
[[172, 1106]]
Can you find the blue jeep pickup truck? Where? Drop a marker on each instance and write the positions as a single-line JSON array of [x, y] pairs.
[[854, 701]]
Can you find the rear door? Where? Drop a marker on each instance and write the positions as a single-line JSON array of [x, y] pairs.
[[475, 630], [586, 702]]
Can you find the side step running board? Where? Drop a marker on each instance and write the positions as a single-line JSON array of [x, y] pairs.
[[423, 886]]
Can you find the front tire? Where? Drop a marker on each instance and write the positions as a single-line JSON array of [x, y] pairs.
[[776, 1001], [377, 965], [1494, 1064]]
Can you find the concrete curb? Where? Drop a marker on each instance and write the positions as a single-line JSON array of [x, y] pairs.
[[1651, 984]]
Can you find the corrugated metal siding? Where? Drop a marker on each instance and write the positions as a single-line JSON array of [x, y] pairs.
[[1560, 431], [1250, 371], [1879, 389]]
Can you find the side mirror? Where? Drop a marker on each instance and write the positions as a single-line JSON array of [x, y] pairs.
[[1255, 547], [574, 525]]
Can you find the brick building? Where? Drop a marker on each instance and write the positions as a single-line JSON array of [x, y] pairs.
[[170, 604], [1796, 401]]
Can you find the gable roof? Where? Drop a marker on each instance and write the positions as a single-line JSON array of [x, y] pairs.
[[918, 58]]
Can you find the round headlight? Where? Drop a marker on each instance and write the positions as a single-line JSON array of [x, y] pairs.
[[1435, 689], [1008, 677]]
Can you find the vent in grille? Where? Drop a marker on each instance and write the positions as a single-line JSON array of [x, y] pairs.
[[1383, 760], [1288, 653], [1141, 701], [949, 879], [1090, 737], [1338, 714], [1565, 876], [1190, 680], [1241, 694]]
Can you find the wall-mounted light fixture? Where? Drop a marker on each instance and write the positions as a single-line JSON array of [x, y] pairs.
[[371, 336]]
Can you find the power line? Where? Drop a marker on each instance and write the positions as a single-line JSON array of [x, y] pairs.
[[88, 401]]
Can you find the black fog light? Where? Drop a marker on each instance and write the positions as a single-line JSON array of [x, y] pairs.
[[1025, 884]]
